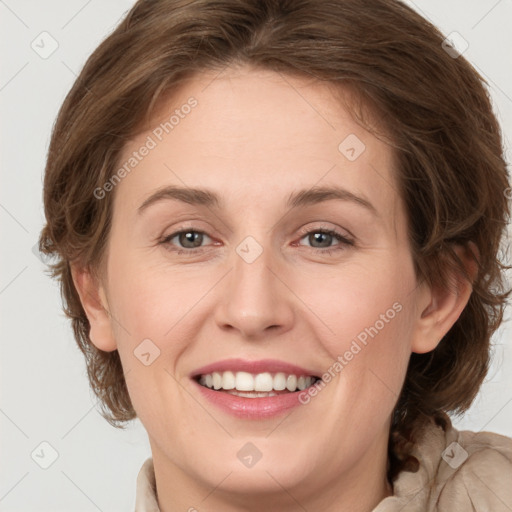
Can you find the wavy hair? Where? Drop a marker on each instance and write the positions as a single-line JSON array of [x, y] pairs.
[[436, 113]]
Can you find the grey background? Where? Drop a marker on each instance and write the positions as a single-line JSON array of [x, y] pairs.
[[44, 394]]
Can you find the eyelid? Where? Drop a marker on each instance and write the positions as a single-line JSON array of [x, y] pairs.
[[324, 227], [343, 240]]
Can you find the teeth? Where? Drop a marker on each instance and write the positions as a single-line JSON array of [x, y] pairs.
[[291, 383], [228, 380], [251, 394], [279, 381], [244, 381], [261, 384], [217, 380]]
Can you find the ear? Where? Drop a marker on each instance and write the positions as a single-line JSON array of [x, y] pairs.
[[439, 308], [94, 301]]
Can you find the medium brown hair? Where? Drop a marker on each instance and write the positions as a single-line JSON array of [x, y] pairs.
[[437, 112]]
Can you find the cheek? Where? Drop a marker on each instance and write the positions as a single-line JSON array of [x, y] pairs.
[[153, 316], [160, 310], [145, 300], [367, 321], [366, 305]]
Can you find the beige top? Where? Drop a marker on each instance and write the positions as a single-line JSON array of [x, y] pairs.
[[459, 472]]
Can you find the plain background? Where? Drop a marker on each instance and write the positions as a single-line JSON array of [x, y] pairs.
[[44, 389]]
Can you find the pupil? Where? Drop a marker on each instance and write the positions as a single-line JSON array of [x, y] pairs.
[[189, 237], [317, 237]]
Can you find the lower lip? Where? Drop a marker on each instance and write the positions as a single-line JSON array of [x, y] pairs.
[[251, 408]]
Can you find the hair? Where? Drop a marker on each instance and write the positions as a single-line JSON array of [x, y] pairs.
[[437, 113]]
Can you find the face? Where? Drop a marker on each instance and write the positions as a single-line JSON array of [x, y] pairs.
[[298, 275]]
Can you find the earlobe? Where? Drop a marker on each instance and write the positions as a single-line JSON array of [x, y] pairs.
[[440, 308], [94, 301]]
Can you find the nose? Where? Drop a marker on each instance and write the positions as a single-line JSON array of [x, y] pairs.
[[255, 299]]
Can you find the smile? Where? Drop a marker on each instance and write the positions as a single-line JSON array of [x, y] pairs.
[[253, 390], [257, 385]]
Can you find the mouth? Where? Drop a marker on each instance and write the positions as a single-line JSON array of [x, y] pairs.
[[260, 385], [253, 389]]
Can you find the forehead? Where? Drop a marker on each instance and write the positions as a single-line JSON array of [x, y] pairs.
[[257, 135]]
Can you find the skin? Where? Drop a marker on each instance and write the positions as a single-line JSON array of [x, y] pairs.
[[255, 137]]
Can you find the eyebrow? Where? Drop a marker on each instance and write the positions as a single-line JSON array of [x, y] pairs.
[[297, 199]]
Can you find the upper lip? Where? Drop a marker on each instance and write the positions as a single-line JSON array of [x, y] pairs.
[[254, 367]]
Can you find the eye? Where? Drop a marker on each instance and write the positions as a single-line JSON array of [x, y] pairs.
[[324, 237], [189, 239]]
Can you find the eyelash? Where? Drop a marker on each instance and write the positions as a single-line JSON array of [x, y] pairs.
[[344, 241]]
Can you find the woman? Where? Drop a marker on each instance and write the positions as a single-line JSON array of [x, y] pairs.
[[203, 152]]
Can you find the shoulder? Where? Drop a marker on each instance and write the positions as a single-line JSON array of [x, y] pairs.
[[458, 471], [470, 471], [475, 472]]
